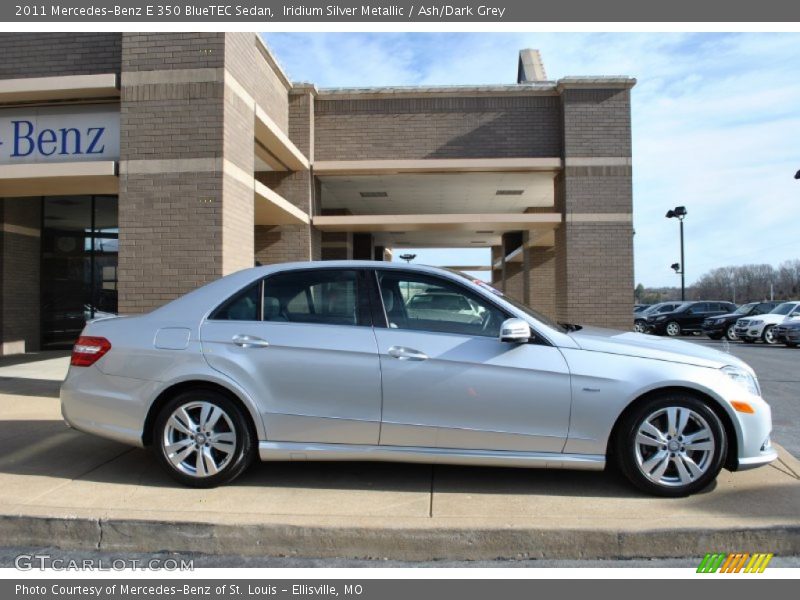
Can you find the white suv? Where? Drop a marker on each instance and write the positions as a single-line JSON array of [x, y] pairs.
[[751, 329]]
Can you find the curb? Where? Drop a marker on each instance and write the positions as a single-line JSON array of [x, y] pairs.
[[407, 544]]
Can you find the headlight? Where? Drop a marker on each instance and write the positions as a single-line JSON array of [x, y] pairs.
[[743, 378]]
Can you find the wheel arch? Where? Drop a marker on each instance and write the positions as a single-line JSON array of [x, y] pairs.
[[732, 456], [178, 387]]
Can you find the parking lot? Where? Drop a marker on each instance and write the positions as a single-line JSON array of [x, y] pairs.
[[59, 487]]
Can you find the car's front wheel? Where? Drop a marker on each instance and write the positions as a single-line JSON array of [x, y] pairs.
[[202, 438], [671, 445], [730, 333], [673, 329], [639, 326], [769, 335]]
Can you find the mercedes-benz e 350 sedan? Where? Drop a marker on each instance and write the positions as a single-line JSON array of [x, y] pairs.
[[336, 361]]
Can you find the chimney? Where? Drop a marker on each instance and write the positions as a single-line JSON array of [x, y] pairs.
[[530, 67]]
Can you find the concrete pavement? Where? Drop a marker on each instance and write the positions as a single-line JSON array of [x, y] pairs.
[[62, 488]]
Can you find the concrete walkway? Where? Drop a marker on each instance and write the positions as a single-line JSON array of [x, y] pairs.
[[59, 487]]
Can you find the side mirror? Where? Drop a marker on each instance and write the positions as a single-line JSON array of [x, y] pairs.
[[515, 331]]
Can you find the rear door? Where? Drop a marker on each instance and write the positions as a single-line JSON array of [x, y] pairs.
[[301, 343]]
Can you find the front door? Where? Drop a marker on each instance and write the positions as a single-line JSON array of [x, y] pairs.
[[449, 382], [302, 345]]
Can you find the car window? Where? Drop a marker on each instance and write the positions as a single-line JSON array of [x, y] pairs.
[[241, 307], [409, 303], [782, 309], [326, 296]]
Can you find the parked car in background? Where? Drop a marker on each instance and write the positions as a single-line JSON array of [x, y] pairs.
[[687, 318], [325, 361], [725, 325], [637, 308], [787, 333], [762, 327], [640, 320]]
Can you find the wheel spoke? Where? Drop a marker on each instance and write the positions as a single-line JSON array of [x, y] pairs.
[[646, 440], [211, 464], [683, 472], [706, 445], [672, 420], [179, 445], [657, 464], [694, 469], [186, 419], [648, 428], [213, 418], [178, 457], [683, 420], [200, 464], [698, 436], [176, 423], [222, 446]]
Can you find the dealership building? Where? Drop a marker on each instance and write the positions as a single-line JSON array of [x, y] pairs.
[[135, 167]]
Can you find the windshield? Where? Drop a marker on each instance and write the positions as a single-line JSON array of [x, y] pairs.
[[745, 308], [783, 309], [518, 305]]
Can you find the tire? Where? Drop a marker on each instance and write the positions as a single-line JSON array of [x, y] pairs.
[[639, 326], [767, 335], [673, 329], [223, 461], [748, 340], [791, 344], [651, 465], [730, 333]]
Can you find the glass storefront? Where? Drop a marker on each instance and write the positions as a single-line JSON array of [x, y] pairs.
[[79, 264]]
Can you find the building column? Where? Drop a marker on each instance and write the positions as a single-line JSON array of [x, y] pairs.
[[20, 258], [594, 245]]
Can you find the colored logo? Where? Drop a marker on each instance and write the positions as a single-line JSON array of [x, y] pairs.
[[734, 563]]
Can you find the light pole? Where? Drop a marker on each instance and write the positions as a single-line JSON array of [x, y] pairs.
[[408, 257], [679, 212]]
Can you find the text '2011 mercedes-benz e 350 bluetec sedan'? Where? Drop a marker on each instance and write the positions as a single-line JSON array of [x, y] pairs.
[[379, 361]]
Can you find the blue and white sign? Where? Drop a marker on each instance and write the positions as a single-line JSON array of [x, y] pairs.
[[59, 134]]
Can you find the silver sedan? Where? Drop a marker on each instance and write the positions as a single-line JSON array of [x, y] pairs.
[[329, 361]]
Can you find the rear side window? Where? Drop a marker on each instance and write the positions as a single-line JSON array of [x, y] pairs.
[[241, 307], [327, 297]]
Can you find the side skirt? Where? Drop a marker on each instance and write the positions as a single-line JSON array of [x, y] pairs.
[[288, 451]]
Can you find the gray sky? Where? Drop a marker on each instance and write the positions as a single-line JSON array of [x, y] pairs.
[[716, 124]]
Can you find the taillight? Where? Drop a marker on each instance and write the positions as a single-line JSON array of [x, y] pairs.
[[88, 350]]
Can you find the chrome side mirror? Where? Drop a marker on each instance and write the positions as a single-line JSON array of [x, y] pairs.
[[515, 330]]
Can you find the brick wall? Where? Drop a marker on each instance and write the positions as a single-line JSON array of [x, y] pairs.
[[455, 127], [20, 257], [158, 51], [27, 55], [598, 122]]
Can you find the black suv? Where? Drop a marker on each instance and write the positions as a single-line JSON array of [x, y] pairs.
[[687, 318], [724, 325]]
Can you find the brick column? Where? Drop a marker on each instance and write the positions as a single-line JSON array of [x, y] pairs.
[[594, 246]]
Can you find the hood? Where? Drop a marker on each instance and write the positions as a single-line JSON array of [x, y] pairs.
[[629, 343]]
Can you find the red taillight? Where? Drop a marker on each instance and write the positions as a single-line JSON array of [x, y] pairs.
[[88, 350]]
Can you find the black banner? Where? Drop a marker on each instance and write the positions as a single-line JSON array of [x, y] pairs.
[[342, 11]]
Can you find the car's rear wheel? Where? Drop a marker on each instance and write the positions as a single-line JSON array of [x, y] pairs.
[[202, 438], [671, 445], [673, 329], [769, 335], [730, 333]]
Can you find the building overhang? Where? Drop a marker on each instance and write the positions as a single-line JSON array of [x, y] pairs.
[[68, 87], [434, 165], [66, 178], [273, 209], [276, 149], [438, 222]]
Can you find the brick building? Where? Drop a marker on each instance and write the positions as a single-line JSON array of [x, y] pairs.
[[135, 167]]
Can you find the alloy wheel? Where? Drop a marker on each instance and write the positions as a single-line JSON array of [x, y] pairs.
[[675, 446], [638, 327], [673, 329], [769, 335], [730, 333], [199, 439]]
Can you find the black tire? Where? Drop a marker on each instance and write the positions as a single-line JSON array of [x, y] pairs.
[[628, 454], [233, 462], [673, 329], [767, 337], [730, 333]]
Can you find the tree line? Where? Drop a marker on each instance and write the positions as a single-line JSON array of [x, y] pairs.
[[740, 284]]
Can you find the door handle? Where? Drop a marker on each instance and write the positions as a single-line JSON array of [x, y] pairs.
[[406, 353], [249, 341]]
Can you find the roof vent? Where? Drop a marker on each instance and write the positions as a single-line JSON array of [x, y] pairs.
[[530, 67]]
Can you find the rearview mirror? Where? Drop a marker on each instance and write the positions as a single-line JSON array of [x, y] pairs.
[[515, 330]]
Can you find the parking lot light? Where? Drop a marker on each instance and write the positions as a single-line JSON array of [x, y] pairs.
[[679, 212]]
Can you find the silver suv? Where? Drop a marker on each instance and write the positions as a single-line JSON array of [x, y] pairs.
[[334, 361]]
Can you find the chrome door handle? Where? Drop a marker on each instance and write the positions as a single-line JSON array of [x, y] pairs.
[[406, 353], [249, 341]]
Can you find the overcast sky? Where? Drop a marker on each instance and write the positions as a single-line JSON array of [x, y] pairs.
[[716, 124]]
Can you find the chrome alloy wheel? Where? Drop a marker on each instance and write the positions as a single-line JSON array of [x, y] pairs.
[[730, 333], [673, 329], [674, 446], [199, 439], [639, 326]]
